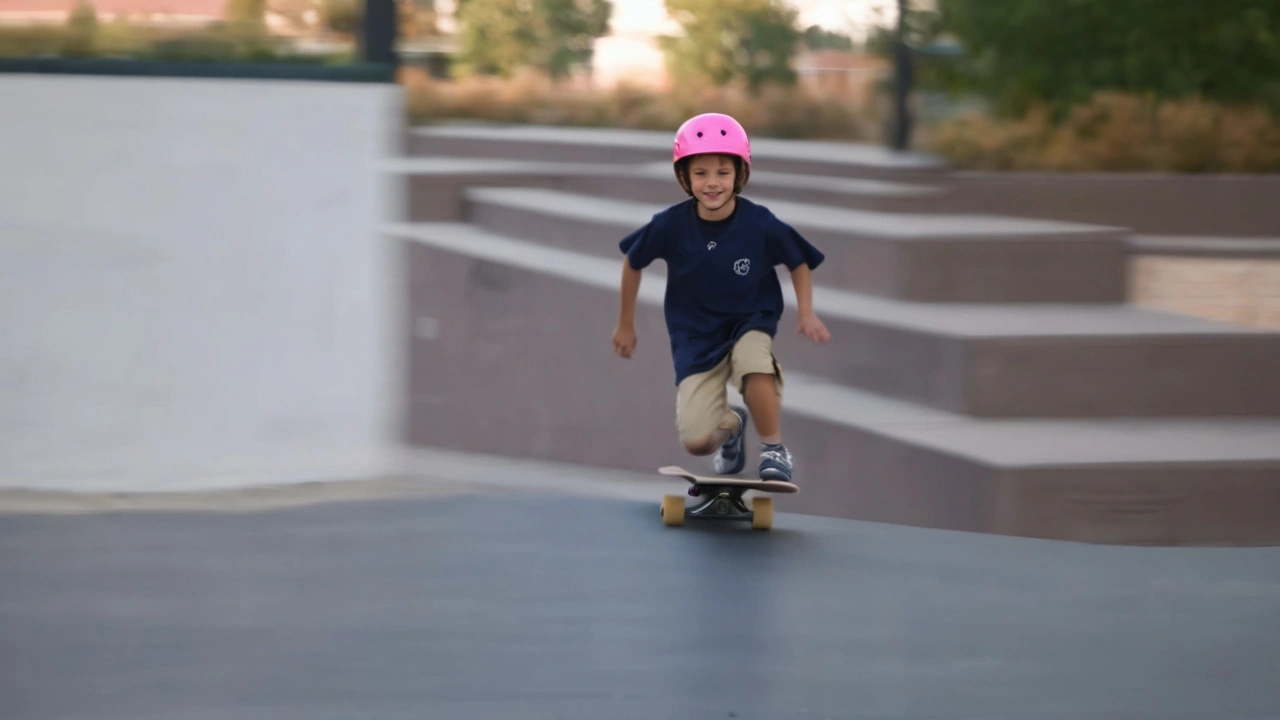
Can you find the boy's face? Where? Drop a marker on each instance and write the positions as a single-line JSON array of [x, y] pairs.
[[711, 178]]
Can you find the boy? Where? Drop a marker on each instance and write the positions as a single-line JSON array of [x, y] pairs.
[[723, 299]]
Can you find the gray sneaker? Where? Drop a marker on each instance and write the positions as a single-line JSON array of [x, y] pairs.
[[775, 463], [733, 456]]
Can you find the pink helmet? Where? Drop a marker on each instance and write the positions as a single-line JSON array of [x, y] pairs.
[[712, 133]]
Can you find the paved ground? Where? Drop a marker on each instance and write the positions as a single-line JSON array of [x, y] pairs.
[[551, 602]]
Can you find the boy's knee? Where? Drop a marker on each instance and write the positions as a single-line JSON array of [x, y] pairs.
[[703, 445], [701, 411]]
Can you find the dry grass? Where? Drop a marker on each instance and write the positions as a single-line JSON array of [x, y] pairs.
[[1118, 132], [777, 112], [1113, 133]]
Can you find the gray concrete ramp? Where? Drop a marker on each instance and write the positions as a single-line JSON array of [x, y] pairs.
[[611, 145], [520, 590], [436, 185]]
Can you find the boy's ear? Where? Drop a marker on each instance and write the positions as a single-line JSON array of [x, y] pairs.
[[742, 172], [682, 175]]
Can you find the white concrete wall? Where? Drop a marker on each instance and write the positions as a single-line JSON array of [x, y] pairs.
[[193, 293]]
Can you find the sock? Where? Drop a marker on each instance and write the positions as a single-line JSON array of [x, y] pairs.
[[772, 441]]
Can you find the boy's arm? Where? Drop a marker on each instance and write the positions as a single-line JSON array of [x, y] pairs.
[[809, 324], [624, 335], [802, 282]]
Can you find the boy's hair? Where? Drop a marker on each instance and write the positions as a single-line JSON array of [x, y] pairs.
[[741, 172]]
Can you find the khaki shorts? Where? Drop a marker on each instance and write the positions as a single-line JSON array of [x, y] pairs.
[[702, 404]]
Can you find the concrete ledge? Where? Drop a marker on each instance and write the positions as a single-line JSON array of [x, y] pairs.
[[1018, 361], [480, 339], [436, 182], [611, 145], [1147, 203], [860, 473], [1199, 246], [930, 258], [1157, 204]]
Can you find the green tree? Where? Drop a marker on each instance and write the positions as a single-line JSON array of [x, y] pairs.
[[554, 36], [930, 67], [724, 41], [816, 38], [84, 18], [343, 16], [82, 30], [1063, 51], [246, 14], [417, 18], [573, 26]]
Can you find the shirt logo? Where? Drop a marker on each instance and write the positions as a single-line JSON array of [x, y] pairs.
[[742, 267], [711, 245]]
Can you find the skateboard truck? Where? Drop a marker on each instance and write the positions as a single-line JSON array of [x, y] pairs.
[[720, 498], [722, 504]]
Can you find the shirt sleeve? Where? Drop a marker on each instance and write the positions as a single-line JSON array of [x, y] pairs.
[[790, 248], [645, 244]]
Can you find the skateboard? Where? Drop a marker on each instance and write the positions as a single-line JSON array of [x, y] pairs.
[[721, 498]]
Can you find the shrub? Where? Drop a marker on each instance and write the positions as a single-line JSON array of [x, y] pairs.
[[529, 98], [216, 42], [1117, 132]]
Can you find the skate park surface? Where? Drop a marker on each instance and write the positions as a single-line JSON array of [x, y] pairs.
[[209, 508], [483, 587]]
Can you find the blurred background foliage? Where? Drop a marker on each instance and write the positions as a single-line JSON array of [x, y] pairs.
[[550, 36], [1151, 85], [1063, 53], [1110, 85]]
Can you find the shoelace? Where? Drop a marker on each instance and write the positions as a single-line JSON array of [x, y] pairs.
[[777, 456]]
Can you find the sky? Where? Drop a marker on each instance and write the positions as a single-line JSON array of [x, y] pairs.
[[633, 18], [649, 16], [629, 50]]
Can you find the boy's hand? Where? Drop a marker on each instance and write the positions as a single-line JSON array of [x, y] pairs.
[[811, 327], [624, 340]]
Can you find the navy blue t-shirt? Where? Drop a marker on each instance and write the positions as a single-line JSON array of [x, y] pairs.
[[721, 280]]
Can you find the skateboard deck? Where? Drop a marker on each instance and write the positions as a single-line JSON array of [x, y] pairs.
[[721, 498], [710, 481]]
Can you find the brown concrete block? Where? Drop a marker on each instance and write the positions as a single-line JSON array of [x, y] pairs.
[[1268, 315], [1196, 277], [1264, 277]]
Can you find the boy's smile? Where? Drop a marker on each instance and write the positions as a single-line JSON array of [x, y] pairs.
[[711, 177]]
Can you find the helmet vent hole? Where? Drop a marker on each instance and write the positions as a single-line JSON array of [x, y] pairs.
[[723, 132], [699, 133]]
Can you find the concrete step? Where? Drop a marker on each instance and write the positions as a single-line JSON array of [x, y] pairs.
[[931, 258], [609, 145], [1250, 248], [979, 360], [1135, 481], [436, 185], [519, 335]]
